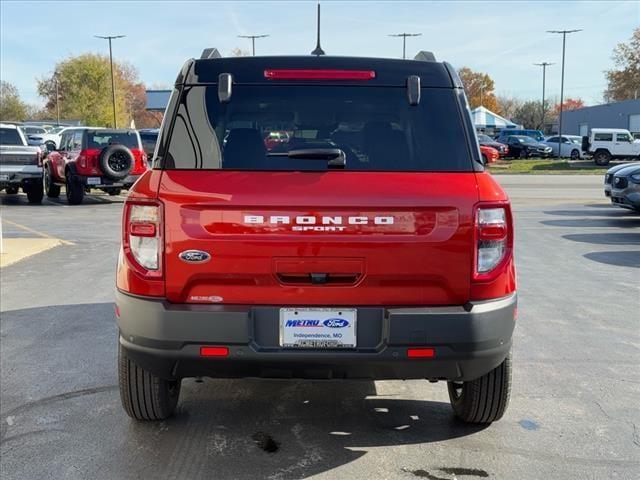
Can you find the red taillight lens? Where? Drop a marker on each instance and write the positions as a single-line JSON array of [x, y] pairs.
[[142, 236], [492, 237], [214, 351], [421, 352], [319, 74]]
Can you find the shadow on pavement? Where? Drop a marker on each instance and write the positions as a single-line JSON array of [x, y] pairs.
[[620, 222], [605, 212], [60, 400], [606, 238], [618, 259]]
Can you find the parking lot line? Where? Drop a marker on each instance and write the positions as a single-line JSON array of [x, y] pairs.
[[36, 232]]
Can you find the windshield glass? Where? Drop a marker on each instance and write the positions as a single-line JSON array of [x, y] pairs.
[[375, 127], [524, 139], [10, 136], [576, 140], [485, 138]]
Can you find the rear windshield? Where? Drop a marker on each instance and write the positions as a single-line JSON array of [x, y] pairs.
[[10, 136], [375, 127], [100, 139]]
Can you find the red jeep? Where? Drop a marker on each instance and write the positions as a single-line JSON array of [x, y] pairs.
[[104, 159], [374, 246]]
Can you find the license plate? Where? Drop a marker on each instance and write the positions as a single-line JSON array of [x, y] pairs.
[[318, 327], [93, 181], [4, 177]]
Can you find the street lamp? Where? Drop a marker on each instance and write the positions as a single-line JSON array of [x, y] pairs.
[[253, 41], [404, 41], [113, 83], [544, 66], [564, 41]]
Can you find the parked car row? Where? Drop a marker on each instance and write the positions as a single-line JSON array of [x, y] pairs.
[[84, 158]]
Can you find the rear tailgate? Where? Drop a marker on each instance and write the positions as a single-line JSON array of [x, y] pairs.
[[16, 155], [368, 238]]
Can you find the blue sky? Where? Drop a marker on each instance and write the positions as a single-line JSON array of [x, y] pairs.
[[501, 38]]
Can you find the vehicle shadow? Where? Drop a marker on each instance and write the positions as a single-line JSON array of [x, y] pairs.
[[63, 370], [618, 259], [609, 211], [619, 222], [606, 238]]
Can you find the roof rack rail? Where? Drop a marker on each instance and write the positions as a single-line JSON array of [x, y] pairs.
[[210, 53], [425, 56]]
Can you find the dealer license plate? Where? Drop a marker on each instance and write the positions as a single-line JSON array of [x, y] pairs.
[[318, 327], [93, 181]]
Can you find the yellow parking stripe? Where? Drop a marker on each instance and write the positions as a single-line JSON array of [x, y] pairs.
[[35, 232]]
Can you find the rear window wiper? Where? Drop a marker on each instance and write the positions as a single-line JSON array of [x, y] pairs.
[[335, 157]]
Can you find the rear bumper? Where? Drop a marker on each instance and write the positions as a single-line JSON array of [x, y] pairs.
[[165, 339], [104, 182], [19, 175]]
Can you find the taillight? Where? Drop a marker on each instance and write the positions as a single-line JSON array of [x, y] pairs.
[[82, 160], [308, 74], [493, 239], [142, 236]]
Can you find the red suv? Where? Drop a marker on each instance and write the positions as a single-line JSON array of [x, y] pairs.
[[104, 159], [375, 245]]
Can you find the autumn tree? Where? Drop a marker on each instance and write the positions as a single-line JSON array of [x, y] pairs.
[[11, 105], [508, 106], [84, 85], [624, 80], [529, 115], [479, 88]]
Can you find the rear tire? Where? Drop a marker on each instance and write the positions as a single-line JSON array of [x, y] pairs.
[[575, 154], [485, 399], [11, 190], [74, 190], [114, 191], [145, 396], [523, 154], [602, 157], [35, 193], [51, 189]]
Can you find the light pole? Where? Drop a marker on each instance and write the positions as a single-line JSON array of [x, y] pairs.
[[404, 41], [253, 41], [564, 41], [544, 66], [113, 83], [55, 78]]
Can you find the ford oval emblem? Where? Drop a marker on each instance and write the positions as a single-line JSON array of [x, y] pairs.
[[336, 323], [194, 256]]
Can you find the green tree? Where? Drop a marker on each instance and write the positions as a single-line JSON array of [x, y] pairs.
[[11, 106], [624, 80], [479, 88], [84, 86]]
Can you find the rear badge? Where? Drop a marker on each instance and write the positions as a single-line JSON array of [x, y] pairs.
[[194, 256]]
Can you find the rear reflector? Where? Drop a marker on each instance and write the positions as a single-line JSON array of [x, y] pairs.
[[421, 352], [214, 351], [319, 74], [143, 229]]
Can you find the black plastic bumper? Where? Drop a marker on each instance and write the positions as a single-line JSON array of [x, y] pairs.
[[165, 339], [20, 179], [105, 182]]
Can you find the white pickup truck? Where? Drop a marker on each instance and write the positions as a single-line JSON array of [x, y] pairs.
[[20, 164], [606, 144]]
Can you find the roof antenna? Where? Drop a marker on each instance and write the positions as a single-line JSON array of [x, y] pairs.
[[318, 50]]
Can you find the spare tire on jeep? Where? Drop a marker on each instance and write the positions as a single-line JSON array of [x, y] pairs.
[[116, 161]]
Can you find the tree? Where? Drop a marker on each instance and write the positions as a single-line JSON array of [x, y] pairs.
[[84, 85], [11, 106], [624, 80], [568, 104], [529, 115], [508, 106], [479, 88], [238, 52]]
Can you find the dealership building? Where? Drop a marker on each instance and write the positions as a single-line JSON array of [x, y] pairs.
[[625, 114]]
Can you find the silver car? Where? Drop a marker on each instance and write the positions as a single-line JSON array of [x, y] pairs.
[[608, 177], [625, 187]]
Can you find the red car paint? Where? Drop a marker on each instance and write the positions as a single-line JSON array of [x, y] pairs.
[[491, 154], [425, 257]]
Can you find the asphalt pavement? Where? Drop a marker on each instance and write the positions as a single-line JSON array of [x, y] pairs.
[[574, 410]]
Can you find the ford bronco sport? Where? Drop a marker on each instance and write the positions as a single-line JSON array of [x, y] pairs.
[[372, 244]]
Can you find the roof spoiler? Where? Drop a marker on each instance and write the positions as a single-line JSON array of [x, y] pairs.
[[210, 53], [425, 56]]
